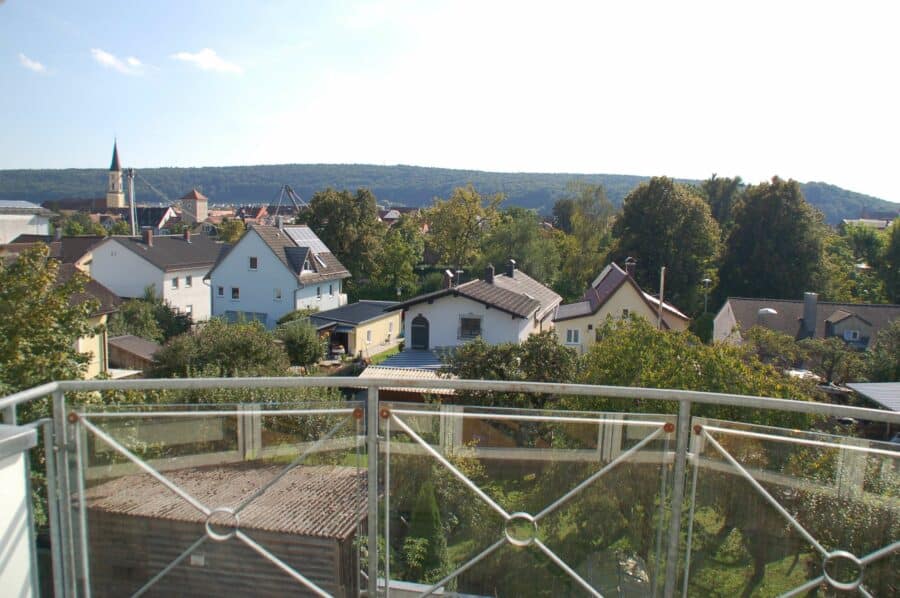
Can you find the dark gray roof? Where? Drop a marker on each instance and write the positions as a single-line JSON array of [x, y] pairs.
[[108, 302], [174, 252], [135, 345], [574, 310], [788, 318], [521, 295], [886, 394], [420, 360], [73, 249], [353, 313], [15, 206], [115, 165], [285, 247]]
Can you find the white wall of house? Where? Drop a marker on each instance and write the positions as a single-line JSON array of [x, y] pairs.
[[259, 289], [444, 321], [191, 295], [725, 324], [13, 225], [321, 296], [124, 272]]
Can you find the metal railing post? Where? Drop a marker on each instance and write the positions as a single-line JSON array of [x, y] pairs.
[[8, 415], [372, 453], [56, 554], [682, 434], [64, 494]]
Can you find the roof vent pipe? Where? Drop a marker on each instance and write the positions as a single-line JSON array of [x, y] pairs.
[[447, 281], [630, 266], [148, 237], [511, 268], [489, 274]]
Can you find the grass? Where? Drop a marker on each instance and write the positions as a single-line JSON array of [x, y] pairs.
[[380, 357]]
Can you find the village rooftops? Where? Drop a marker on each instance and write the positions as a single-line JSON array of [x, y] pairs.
[[173, 252], [107, 301], [15, 206], [298, 247]]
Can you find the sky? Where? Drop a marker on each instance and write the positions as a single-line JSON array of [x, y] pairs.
[[803, 90]]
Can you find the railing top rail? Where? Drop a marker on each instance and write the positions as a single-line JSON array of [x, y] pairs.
[[620, 392]]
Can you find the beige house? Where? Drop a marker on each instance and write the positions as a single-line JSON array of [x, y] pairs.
[[95, 345], [363, 328], [613, 293]]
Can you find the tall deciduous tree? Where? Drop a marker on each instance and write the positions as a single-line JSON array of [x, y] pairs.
[[459, 223], [402, 250], [518, 234], [889, 265], [584, 250], [721, 195], [40, 323], [664, 224], [775, 245]]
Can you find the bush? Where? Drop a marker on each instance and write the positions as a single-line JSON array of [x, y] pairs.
[[301, 341], [300, 314]]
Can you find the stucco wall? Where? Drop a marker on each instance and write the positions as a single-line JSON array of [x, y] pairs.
[[322, 296], [384, 332], [13, 225], [123, 272], [197, 295], [443, 317], [724, 325], [97, 347]]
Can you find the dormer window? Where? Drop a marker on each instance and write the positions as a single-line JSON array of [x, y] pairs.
[[306, 265]]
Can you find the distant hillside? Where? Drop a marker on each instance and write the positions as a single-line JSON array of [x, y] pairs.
[[400, 185]]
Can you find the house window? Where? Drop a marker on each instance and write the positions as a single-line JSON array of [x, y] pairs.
[[368, 336], [851, 335], [306, 265], [254, 262], [188, 281], [175, 283], [573, 336], [277, 294], [625, 313], [331, 290], [235, 293], [390, 327], [189, 309], [220, 291], [318, 292], [469, 327]]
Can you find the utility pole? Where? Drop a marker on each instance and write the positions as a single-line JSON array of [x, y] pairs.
[[706, 283], [133, 210]]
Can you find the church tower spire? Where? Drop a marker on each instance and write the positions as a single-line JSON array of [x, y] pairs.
[[115, 193]]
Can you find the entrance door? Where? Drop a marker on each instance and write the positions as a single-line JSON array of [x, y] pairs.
[[419, 333]]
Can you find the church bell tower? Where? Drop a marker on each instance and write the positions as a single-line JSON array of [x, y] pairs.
[[115, 193]]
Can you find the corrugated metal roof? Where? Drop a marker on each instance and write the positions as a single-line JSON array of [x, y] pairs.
[[381, 372], [411, 358], [323, 501], [886, 394]]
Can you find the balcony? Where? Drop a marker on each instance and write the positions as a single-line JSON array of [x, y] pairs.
[[314, 486]]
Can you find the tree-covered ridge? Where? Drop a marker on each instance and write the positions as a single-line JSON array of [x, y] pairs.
[[402, 185]]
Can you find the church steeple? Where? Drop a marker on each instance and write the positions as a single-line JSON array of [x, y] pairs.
[[114, 165], [115, 193]]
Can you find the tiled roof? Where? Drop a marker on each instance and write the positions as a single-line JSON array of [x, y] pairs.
[[283, 243], [523, 284], [194, 194], [73, 249], [174, 252], [353, 313], [135, 345], [788, 318], [108, 301], [574, 310], [323, 501]]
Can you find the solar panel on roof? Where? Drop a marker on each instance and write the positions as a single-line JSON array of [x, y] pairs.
[[305, 237]]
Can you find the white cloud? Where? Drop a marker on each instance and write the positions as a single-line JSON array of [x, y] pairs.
[[31, 65], [207, 60], [129, 66]]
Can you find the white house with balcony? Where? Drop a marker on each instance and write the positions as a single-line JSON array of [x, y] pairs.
[[501, 308], [275, 270], [175, 266]]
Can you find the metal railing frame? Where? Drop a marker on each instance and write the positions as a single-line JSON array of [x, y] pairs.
[[62, 460]]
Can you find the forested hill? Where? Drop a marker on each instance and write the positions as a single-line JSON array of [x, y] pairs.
[[397, 185]]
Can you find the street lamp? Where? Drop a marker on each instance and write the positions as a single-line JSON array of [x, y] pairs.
[[706, 282]]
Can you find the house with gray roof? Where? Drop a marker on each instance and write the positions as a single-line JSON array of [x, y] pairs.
[[22, 217], [272, 271], [502, 307], [856, 323], [174, 266]]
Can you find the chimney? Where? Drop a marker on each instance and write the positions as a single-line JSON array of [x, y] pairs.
[[147, 233], [187, 235], [809, 314], [447, 282], [511, 268], [489, 274], [630, 266], [279, 222]]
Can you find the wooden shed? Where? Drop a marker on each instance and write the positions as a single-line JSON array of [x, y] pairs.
[[308, 519]]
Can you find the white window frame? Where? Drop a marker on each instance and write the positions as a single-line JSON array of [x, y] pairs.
[[331, 289], [188, 281], [368, 336], [851, 335], [573, 336], [253, 263], [235, 293], [220, 291], [189, 310], [465, 336], [319, 293], [174, 283], [276, 294]]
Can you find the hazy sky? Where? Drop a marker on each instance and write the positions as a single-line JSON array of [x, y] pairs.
[[807, 90]]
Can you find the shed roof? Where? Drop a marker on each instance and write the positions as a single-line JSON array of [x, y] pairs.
[[324, 501], [353, 313], [135, 345], [381, 372], [886, 394]]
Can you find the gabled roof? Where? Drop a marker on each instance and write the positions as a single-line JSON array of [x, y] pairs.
[[353, 313], [174, 252], [195, 195], [108, 301], [520, 296], [296, 245], [135, 345], [788, 316], [16, 206], [603, 288], [73, 249]]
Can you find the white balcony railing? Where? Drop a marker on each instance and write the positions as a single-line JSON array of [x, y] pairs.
[[267, 486]]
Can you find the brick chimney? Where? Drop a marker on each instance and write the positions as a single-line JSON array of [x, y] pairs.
[[147, 233], [511, 268], [630, 266], [810, 301], [447, 281], [489, 274], [187, 235]]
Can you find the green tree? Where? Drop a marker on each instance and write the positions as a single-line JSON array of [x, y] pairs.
[[889, 264], [425, 525], [231, 230], [663, 224], [721, 196], [402, 250], [459, 223], [301, 341], [79, 224], [773, 348], [149, 317], [121, 227], [866, 242], [41, 323], [833, 360], [518, 234], [774, 247], [563, 213], [583, 252], [884, 357], [219, 348]]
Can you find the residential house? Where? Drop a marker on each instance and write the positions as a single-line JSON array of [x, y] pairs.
[[876, 223], [68, 250], [855, 323], [505, 307], [22, 217], [96, 345], [272, 271], [175, 266], [131, 352], [363, 328], [613, 293]]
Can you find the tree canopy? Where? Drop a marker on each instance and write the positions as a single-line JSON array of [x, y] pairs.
[[459, 223]]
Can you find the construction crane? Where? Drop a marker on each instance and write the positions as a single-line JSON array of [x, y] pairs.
[[298, 202]]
